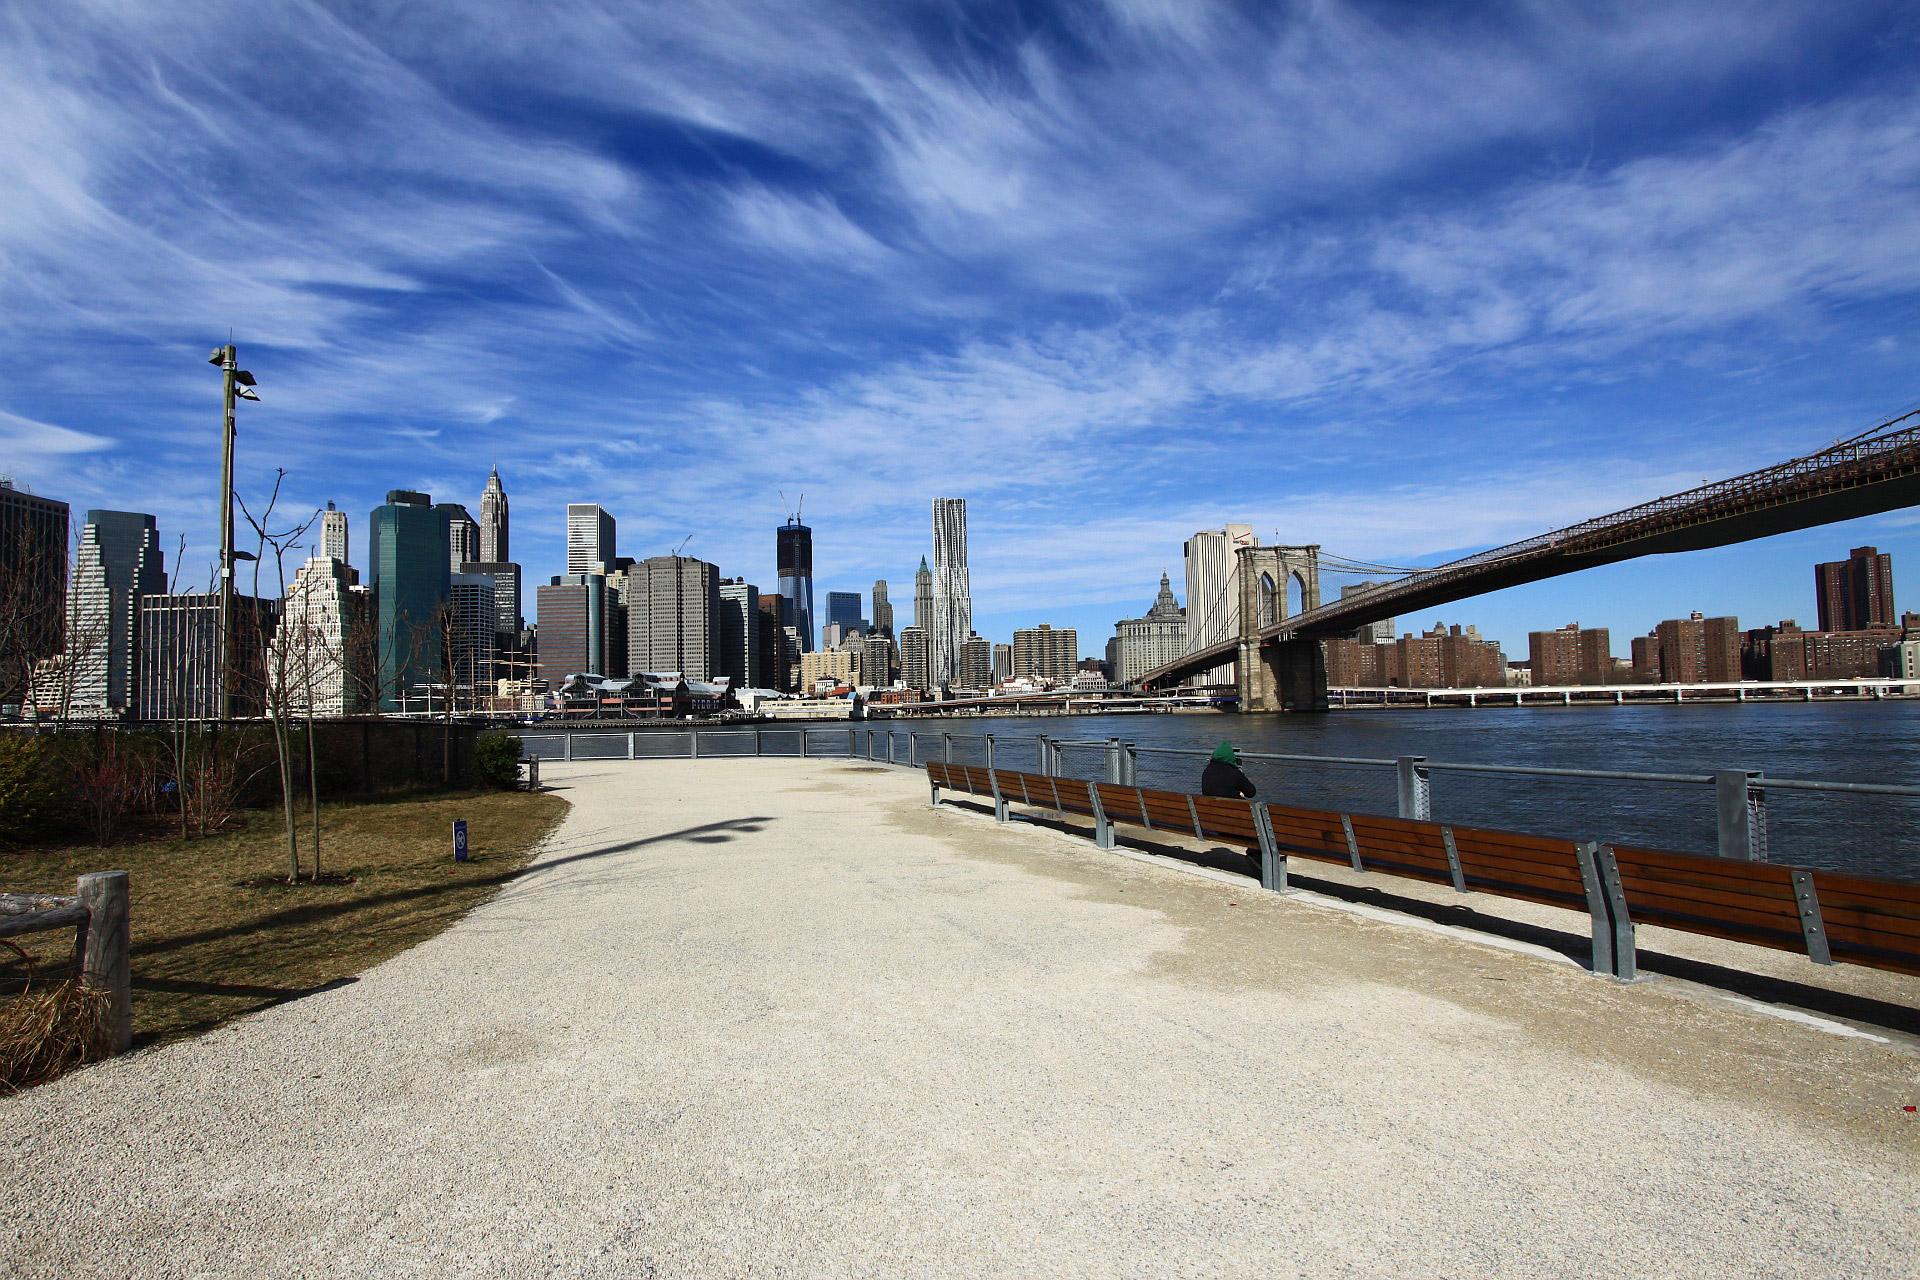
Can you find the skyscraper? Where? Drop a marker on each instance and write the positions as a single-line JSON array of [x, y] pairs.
[[923, 597], [470, 643], [736, 643], [1856, 593], [333, 534], [779, 647], [915, 665], [315, 646], [179, 674], [952, 593], [507, 623], [463, 535], [1046, 652], [408, 558], [843, 607], [795, 547], [1157, 638], [879, 660], [590, 543], [33, 585], [882, 608], [118, 562], [493, 521], [1377, 632], [573, 626], [976, 663], [1213, 606], [672, 603]]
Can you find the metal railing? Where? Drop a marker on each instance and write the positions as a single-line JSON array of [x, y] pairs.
[[1735, 813]]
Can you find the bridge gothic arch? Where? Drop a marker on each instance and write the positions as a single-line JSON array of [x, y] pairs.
[[1266, 676]]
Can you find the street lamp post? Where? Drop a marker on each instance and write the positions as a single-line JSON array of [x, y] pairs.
[[236, 383]]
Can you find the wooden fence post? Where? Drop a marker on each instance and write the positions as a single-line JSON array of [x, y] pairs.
[[104, 963]]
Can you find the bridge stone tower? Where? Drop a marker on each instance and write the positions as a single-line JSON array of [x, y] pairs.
[[1279, 675]]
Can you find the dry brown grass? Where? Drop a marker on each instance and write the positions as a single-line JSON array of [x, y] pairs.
[[215, 935], [48, 1030]]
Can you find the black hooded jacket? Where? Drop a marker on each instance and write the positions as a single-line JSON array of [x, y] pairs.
[[1222, 779]]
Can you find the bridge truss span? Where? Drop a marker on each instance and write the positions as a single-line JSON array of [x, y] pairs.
[[1878, 470]]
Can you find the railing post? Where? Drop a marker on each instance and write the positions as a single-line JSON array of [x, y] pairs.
[[756, 741], [889, 744], [1416, 790], [629, 746], [1132, 761], [1114, 767], [913, 749], [693, 744], [851, 753], [1742, 804], [102, 952], [946, 746], [567, 738], [990, 753]]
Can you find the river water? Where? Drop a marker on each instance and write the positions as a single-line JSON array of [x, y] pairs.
[[1831, 741]]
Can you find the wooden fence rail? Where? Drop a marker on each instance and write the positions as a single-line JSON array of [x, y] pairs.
[[98, 914]]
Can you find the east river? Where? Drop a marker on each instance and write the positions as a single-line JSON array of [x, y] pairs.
[[1831, 741]]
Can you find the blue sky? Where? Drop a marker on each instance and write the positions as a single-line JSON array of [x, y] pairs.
[[1404, 279]]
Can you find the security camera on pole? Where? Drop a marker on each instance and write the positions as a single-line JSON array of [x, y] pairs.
[[237, 383]]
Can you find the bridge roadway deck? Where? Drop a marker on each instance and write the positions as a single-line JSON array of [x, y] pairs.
[[779, 1018]]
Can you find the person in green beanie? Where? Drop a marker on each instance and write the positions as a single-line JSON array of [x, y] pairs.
[[1222, 776]]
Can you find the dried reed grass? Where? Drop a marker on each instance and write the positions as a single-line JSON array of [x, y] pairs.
[[48, 1031]]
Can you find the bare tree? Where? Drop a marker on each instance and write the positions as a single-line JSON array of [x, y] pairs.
[[279, 681]]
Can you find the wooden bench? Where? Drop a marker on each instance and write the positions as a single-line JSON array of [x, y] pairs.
[[1827, 916]]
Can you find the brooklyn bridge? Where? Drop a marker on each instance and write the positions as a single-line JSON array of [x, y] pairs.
[[1277, 655]]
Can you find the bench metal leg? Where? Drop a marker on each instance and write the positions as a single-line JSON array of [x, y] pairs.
[[1812, 926], [1273, 863], [1353, 846], [1102, 829], [936, 794], [1453, 861], [1624, 947], [1585, 852]]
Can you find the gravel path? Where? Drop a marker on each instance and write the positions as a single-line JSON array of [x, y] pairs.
[[779, 1018]]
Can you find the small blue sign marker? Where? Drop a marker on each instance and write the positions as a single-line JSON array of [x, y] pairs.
[[460, 840]]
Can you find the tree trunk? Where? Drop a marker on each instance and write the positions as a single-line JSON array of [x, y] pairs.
[[313, 790]]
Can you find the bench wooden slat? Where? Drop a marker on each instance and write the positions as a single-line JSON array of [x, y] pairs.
[[1752, 879], [1897, 895], [1896, 961], [1564, 869], [1727, 892], [1869, 936], [1228, 819], [1853, 917], [1546, 895], [1514, 842], [1648, 908]]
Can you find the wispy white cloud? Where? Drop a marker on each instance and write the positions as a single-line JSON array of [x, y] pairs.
[[1204, 253]]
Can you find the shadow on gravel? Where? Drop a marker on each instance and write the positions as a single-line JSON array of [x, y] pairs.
[[706, 833], [1576, 947]]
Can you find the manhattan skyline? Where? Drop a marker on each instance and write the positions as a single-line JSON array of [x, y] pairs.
[[1406, 288]]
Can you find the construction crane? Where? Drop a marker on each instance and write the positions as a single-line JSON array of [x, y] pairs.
[[683, 544], [793, 516]]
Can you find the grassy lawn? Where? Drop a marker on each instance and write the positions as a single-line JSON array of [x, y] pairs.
[[214, 937]]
